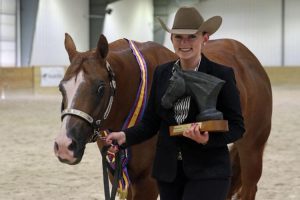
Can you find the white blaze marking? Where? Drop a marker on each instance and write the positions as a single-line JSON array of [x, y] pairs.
[[71, 87]]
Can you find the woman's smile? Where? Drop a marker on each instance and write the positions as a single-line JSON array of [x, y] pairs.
[[185, 49]]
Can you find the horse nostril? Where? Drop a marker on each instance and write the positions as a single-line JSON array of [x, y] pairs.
[[56, 147], [72, 146]]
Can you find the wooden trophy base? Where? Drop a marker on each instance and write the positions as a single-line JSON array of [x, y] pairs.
[[210, 126]]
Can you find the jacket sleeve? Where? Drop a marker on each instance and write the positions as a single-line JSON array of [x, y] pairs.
[[229, 104], [150, 123]]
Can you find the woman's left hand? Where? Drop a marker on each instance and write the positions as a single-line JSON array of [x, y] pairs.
[[195, 134]]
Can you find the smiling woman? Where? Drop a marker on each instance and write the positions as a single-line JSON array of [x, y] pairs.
[[189, 48]]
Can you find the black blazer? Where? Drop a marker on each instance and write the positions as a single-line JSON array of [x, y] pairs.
[[199, 161]]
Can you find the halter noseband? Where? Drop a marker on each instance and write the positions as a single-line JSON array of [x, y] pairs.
[[95, 123]]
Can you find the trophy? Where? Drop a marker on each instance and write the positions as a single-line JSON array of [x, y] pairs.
[[204, 89]]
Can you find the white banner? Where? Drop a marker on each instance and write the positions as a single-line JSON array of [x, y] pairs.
[[51, 76]]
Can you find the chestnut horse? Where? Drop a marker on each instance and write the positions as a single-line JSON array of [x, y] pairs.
[[87, 89]]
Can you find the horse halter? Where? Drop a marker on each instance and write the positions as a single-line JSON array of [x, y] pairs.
[[96, 124]]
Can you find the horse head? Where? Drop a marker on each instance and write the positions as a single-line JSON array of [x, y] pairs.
[[86, 90], [176, 89]]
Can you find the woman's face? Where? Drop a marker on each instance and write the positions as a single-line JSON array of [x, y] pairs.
[[188, 46]]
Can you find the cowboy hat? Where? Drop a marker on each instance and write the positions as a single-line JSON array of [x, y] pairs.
[[189, 21]]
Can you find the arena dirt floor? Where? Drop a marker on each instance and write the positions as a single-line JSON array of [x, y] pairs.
[[30, 171]]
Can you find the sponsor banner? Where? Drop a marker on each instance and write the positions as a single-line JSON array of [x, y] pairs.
[[51, 76]]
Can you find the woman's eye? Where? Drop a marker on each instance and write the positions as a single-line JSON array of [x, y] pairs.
[[192, 37], [178, 37]]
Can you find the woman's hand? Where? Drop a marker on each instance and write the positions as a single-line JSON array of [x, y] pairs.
[[118, 136], [195, 134]]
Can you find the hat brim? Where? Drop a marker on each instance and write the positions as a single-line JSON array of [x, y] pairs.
[[209, 26]]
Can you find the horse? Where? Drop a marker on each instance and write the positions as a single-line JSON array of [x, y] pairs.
[[99, 89]]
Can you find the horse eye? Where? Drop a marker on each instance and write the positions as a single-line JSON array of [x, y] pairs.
[[62, 106], [60, 88], [101, 89]]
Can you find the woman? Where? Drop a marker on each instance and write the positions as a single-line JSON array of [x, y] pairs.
[[196, 166]]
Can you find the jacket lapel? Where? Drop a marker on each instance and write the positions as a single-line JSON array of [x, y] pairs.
[[204, 65]]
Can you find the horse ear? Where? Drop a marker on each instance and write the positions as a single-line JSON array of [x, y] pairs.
[[70, 46], [102, 47]]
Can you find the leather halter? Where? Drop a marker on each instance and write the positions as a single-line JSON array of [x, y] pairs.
[[88, 118]]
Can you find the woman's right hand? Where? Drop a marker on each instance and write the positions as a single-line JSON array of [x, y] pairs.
[[118, 136], [195, 134]]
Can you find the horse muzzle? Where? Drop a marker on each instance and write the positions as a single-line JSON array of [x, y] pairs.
[[68, 151]]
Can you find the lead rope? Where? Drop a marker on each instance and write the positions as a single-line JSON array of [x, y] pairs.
[[117, 173], [116, 163]]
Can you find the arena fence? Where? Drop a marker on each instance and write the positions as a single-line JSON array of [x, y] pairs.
[[34, 80], [45, 79], [283, 75]]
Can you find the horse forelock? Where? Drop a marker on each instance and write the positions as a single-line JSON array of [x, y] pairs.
[[78, 65]]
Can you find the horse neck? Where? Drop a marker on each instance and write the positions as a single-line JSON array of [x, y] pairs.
[[127, 77]]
